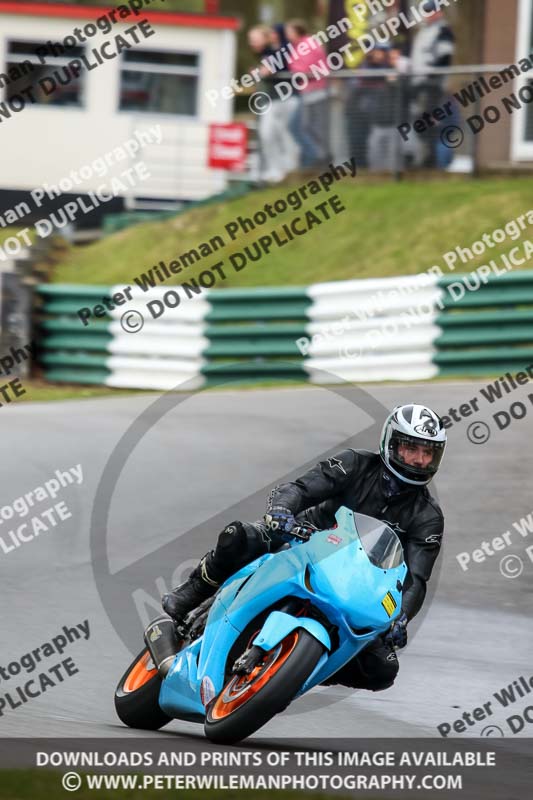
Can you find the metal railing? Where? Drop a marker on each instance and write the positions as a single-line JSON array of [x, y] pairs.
[[395, 123]]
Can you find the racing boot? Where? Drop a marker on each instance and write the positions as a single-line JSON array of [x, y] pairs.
[[188, 595]]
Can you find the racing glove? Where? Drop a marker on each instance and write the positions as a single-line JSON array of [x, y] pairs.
[[280, 520], [397, 636]]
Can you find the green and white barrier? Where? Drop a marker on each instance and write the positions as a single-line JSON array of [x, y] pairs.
[[393, 329]]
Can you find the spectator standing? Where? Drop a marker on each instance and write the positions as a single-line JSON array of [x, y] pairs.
[[310, 124], [373, 101], [433, 46], [279, 151], [370, 112], [382, 150]]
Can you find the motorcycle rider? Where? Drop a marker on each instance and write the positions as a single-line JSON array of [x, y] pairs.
[[390, 485]]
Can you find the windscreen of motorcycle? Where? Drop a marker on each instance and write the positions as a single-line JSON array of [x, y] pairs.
[[381, 544]]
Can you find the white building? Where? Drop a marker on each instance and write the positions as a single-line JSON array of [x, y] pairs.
[[70, 121]]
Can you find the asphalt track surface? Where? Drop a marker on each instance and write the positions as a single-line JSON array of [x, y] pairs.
[[211, 459]]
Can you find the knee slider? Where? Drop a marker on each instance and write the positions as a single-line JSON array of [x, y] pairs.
[[233, 538], [387, 672], [382, 678], [380, 668], [380, 687]]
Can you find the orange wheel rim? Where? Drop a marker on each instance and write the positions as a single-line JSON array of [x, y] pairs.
[[140, 674], [242, 688]]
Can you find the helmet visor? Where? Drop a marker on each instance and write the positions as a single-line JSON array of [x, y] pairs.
[[415, 457]]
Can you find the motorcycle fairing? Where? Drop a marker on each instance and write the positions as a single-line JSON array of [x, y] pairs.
[[331, 562]]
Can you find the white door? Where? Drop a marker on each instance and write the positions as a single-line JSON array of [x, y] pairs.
[[522, 142]]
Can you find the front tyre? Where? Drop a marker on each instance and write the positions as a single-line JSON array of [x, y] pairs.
[[137, 695], [247, 702]]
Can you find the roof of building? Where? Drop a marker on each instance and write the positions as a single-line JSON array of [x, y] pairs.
[[74, 11]]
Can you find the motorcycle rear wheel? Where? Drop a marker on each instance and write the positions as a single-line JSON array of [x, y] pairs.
[[247, 702], [137, 695]]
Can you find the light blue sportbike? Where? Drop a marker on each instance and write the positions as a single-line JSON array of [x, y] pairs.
[[278, 627]]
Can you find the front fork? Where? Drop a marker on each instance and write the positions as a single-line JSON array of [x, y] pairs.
[[276, 627]]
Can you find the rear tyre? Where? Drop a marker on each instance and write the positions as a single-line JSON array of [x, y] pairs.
[[246, 703], [137, 695]]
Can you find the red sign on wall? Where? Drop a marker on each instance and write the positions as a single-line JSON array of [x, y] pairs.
[[228, 145]]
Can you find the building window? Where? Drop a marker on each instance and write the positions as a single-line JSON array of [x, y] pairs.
[[51, 83], [159, 82]]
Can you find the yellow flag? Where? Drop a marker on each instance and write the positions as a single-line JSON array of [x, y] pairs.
[[355, 56]]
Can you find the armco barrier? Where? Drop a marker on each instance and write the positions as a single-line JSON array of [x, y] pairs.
[[391, 329]]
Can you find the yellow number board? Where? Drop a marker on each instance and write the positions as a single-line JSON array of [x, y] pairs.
[[389, 604]]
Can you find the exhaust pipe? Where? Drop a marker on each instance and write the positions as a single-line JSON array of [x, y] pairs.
[[161, 640]]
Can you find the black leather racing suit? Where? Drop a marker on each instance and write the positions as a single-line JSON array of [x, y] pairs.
[[358, 480]]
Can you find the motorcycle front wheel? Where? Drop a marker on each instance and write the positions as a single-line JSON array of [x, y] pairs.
[[247, 702]]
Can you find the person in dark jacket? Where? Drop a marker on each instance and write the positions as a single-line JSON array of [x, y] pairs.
[[390, 485], [377, 99], [433, 47]]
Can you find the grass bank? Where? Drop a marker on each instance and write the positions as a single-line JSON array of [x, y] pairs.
[[388, 229]]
